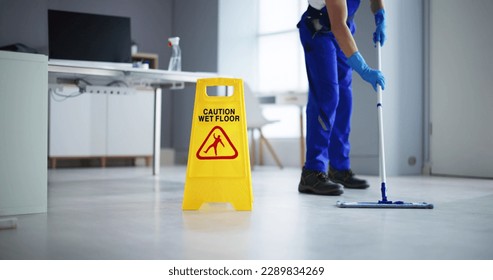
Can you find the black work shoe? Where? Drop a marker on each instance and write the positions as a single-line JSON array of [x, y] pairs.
[[316, 182], [347, 179]]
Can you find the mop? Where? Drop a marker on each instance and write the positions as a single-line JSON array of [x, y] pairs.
[[384, 202]]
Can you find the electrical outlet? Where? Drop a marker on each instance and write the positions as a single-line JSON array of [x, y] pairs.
[[109, 90]]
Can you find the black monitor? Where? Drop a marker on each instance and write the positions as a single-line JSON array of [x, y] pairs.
[[81, 36]]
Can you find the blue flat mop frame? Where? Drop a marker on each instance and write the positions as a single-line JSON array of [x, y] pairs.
[[384, 203]]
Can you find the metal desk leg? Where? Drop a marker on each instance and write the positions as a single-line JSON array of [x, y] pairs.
[[156, 152]]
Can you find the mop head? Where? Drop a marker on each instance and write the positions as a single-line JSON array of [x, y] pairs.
[[386, 204]]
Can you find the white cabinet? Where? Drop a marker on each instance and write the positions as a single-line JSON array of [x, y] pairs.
[[77, 124], [23, 133], [130, 124], [101, 125]]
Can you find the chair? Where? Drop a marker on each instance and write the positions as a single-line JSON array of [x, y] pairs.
[[255, 121]]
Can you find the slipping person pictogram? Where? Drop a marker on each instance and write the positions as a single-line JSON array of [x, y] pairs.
[[217, 141], [217, 136]]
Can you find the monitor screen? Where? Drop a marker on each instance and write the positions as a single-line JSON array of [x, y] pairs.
[[81, 36]]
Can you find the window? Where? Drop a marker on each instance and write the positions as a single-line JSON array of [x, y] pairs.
[[281, 65]]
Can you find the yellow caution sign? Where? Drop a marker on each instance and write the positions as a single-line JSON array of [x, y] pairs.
[[218, 167]]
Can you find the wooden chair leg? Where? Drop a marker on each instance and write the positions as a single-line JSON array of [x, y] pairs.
[[269, 147], [260, 148]]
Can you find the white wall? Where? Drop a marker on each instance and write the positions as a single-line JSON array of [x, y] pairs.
[[402, 61], [402, 65], [237, 45]]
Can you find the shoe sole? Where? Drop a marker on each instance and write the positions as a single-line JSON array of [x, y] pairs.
[[310, 190], [359, 187]]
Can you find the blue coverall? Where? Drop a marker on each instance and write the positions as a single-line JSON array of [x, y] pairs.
[[328, 111]]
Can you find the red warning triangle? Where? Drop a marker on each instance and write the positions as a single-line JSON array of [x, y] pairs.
[[217, 145]]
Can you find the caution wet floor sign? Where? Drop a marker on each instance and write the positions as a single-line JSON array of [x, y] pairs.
[[218, 167]]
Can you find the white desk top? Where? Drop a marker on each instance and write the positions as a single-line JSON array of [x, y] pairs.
[[121, 71]]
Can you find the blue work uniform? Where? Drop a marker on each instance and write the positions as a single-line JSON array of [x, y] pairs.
[[328, 111]]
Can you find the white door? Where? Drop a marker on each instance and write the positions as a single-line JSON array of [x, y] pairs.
[[461, 87]]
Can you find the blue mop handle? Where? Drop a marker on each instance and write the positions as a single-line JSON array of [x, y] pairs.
[[383, 177]]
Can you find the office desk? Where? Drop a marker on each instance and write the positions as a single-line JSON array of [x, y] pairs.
[[72, 72]]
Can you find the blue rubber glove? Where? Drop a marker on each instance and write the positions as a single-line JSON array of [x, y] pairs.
[[379, 34], [372, 76]]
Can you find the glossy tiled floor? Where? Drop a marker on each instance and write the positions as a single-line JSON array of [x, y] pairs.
[[125, 213]]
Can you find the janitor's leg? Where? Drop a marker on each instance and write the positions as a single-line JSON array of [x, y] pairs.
[[339, 141], [340, 167], [323, 97], [321, 67]]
